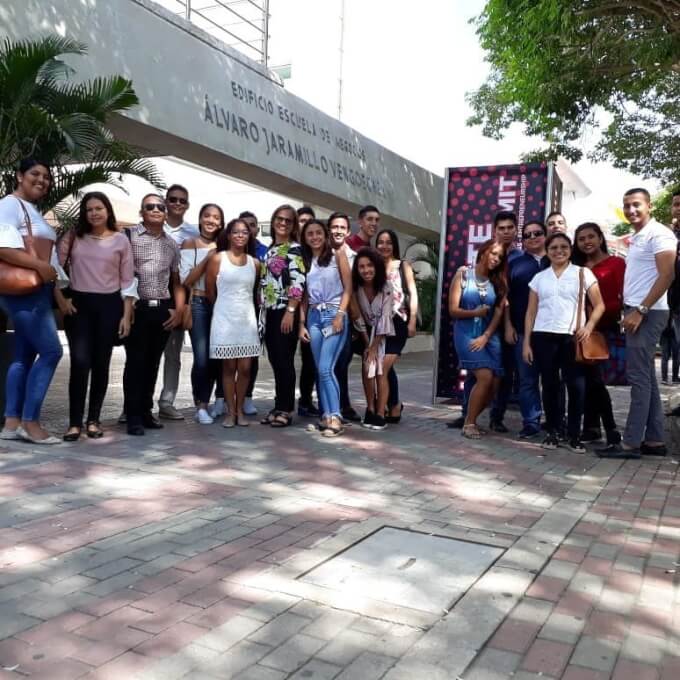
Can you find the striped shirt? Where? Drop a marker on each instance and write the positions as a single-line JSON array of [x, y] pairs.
[[155, 258]]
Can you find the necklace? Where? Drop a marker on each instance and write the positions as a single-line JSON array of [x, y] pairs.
[[482, 287]]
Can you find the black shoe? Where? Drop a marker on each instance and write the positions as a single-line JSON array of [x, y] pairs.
[[647, 450], [72, 436], [575, 446], [498, 426], [456, 424], [310, 411], [394, 419], [150, 422], [593, 435], [379, 423], [351, 415], [613, 437], [369, 420], [135, 430], [550, 442], [617, 452], [528, 432], [674, 413]]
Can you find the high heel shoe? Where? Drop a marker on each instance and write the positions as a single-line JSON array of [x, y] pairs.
[[94, 431], [395, 419], [72, 436]]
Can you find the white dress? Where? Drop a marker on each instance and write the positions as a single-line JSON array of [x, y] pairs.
[[233, 331]]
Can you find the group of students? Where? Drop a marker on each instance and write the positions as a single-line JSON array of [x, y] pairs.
[[144, 287], [519, 314]]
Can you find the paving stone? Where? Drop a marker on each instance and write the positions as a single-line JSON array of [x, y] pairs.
[[562, 628], [600, 655], [647, 649], [279, 629], [109, 569], [229, 634], [239, 657], [316, 670], [368, 666], [493, 664], [293, 653], [346, 647], [330, 624]]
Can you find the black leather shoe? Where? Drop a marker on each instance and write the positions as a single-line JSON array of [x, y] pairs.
[[351, 415], [135, 430], [498, 426], [647, 450], [674, 413], [617, 452], [456, 424], [150, 422]]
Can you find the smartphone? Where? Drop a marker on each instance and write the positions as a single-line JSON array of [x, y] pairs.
[[327, 331]]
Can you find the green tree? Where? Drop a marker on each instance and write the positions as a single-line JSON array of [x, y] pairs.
[[423, 254], [565, 67], [43, 113], [621, 229], [661, 204]]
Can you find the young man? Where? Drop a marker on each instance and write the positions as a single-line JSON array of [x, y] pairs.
[[177, 202], [369, 221], [306, 407], [156, 259], [674, 292], [522, 269], [339, 231], [250, 219], [556, 223], [650, 268]]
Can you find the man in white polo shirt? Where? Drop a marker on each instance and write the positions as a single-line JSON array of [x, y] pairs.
[[649, 273]]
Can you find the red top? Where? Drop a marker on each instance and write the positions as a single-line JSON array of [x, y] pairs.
[[356, 243], [609, 274]]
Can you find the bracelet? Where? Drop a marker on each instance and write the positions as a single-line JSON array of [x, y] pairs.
[[342, 311]]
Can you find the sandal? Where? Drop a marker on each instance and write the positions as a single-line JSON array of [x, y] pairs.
[[72, 436], [267, 420], [229, 421], [242, 420], [281, 419], [471, 432], [94, 431], [333, 428]]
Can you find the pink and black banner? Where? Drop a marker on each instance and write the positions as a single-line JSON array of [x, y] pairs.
[[473, 197]]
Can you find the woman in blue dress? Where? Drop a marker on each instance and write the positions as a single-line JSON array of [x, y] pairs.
[[476, 301]]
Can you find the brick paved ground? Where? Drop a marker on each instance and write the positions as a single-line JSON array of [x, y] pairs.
[[178, 555]]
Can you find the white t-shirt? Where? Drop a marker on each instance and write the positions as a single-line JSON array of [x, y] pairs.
[[13, 223], [181, 233], [558, 298], [641, 271]]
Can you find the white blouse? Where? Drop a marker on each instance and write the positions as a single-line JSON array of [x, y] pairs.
[[13, 223], [190, 258], [558, 298]]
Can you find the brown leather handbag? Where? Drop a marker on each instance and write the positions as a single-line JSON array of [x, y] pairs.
[[596, 347], [16, 280]]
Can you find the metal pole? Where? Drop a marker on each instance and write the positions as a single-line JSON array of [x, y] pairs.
[[342, 54], [187, 10], [265, 33]]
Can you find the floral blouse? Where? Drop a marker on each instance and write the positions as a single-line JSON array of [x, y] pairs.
[[283, 275]]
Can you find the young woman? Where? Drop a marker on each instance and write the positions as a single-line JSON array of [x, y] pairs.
[[195, 254], [550, 334], [103, 290], [37, 349], [281, 289], [323, 316], [231, 281], [404, 316], [374, 314], [590, 250], [476, 301]]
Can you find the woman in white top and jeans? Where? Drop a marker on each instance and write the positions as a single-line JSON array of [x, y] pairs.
[[195, 254], [323, 317], [550, 335], [37, 349]]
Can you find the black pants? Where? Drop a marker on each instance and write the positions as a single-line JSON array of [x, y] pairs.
[[254, 368], [598, 403], [394, 344], [342, 372], [281, 352], [555, 353], [307, 375], [91, 333], [143, 351]]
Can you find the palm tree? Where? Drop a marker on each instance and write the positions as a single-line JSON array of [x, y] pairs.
[[423, 254], [44, 114]]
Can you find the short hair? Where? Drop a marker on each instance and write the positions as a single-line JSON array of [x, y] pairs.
[[147, 196], [367, 209], [222, 243], [538, 223], [380, 272], [553, 213], [176, 187], [577, 255], [555, 236], [394, 239], [504, 215], [639, 190], [676, 193], [294, 232], [326, 254], [306, 210], [246, 215], [339, 216], [82, 225]]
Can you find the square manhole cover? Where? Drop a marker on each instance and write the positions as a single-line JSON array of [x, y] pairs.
[[406, 568]]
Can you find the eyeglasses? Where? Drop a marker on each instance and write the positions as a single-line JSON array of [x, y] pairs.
[[177, 199], [284, 220], [532, 234], [150, 207]]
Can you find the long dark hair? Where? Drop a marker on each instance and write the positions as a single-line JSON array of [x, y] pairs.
[[223, 243], [295, 229], [204, 207], [82, 225], [577, 255], [394, 239], [326, 254], [496, 276], [380, 273]]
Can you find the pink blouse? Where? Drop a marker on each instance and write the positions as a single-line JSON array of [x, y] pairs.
[[378, 315], [98, 265]]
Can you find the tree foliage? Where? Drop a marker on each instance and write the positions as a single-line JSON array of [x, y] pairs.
[[423, 254], [661, 204], [564, 68], [45, 114]]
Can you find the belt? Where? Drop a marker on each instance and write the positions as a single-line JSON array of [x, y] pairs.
[[323, 306], [155, 302]]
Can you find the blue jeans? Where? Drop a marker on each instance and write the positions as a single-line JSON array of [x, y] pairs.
[[35, 335], [204, 371], [326, 352], [529, 391]]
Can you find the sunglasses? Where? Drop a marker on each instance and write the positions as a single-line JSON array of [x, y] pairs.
[[177, 199], [532, 234], [284, 220], [150, 207]]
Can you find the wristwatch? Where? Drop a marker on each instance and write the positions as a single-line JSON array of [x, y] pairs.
[[290, 309], [643, 309]]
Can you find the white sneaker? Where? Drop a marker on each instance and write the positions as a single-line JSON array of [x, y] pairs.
[[203, 417], [218, 408], [248, 407]]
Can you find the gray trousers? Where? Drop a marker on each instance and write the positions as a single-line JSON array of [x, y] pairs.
[[645, 414], [171, 367]]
